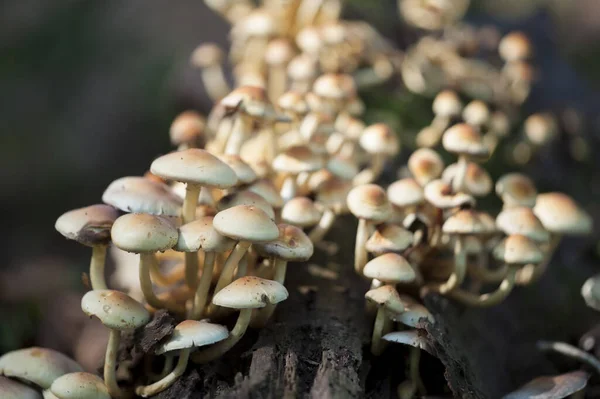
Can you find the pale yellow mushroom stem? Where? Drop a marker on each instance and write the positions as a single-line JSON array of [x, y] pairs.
[[531, 273], [97, 263], [377, 344], [489, 299], [201, 295], [168, 380], [146, 259], [110, 365]]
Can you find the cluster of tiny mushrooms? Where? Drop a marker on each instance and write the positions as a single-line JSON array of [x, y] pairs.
[[280, 157]]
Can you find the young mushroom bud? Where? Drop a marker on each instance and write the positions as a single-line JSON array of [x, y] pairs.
[[515, 46], [90, 226], [208, 57], [425, 165], [381, 143], [301, 212], [187, 130]]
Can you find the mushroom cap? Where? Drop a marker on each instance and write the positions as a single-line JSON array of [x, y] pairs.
[[244, 172], [408, 337], [447, 104], [390, 268], [194, 166], [551, 387], [344, 168], [518, 250], [414, 314], [379, 138], [425, 165], [297, 159], [590, 291], [332, 193], [187, 127], [309, 40], [387, 297], [335, 86], [207, 55], [266, 189], [279, 52], [516, 189], [370, 202], [540, 128], [142, 195], [89, 226], [477, 180], [140, 232], [302, 67], [246, 223], [405, 192], [79, 385], [463, 139], [292, 245], [466, 221], [258, 23], [439, 194], [40, 366], [201, 235], [500, 124], [10, 389], [251, 100], [250, 293], [193, 334], [301, 212], [294, 102], [522, 220], [389, 238], [515, 46], [476, 113], [246, 197], [115, 309], [560, 214]]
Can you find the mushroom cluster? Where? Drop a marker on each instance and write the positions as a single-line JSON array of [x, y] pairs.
[[283, 154]]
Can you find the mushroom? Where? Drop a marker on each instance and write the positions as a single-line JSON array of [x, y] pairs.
[[291, 163], [245, 294], [590, 291], [145, 234], [187, 130], [302, 70], [477, 181], [335, 90], [79, 385], [186, 336], [388, 301], [552, 387], [142, 195], [406, 195], [370, 205], [266, 189], [389, 238], [331, 195], [540, 129], [208, 57], [90, 226], [425, 165], [10, 389], [293, 105], [390, 268], [244, 172], [278, 54], [515, 46], [515, 189], [201, 235], [301, 212], [246, 197], [381, 143], [476, 114], [117, 311], [40, 366]]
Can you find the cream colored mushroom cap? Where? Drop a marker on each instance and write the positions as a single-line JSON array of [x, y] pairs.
[[390, 268], [370, 202], [250, 293], [380, 139], [344, 168], [447, 104], [516, 189], [201, 235], [414, 315], [10, 389], [244, 172], [115, 309], [246, 223], [251, 100], [463, 139], [279, 52], [40, 366], [142, 195], [302, 67], [439, 194], [514, 46], [89, 226], [478, 182], [552, 387], [425, 165], [292, 101], [389, 238], [297, 159], [79, 385], [522, 220], [466, 221], [246, 197], [386, 296], [405, 192], [476, 113], [540, 128], [301, 212], [140, 232], [332, 193], [266, 189], [518, 250], [560, 214], [186, 127], [193, 334], [194, 166], [335, 86], [292, 245], [408, 337]]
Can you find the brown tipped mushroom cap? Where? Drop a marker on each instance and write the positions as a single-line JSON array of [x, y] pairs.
[[297, 159], [439, 194], [246, 223], [405, 192], [540, 128], [390, 268], [518, 250], [201, 235], [10, 389], [79, 385], [301, 212], [279, 52], [245, 198], [515, 46], [89, 226], [250, 293], [207, 55], [560, 214], [292, 245], [332, 193], [447, 104], [380, 139], [463, 139], [477, 180], [476, 113], [466, 221], [194, 166], [193, 334], [293, 101], [516, 189], [115, 309], [425, 165], [335, 86], [266, 189], [40, 366], [142, 195], [387, 297], [139, 232], [244, 172], [370, 202], [187, 127], [389, 238], [522, 220]]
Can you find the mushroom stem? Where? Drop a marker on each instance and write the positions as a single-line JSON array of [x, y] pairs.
[[489, 299], [370, 174], [461, 172], [168, 380], [110, 365], [280, 266], [214, 82], [571, 351], [221, 347], [146, 260], [277, 82], [458, 274], [481, 273], [192, 191], [360, 252], [377, 344], [205, 197], [288, 188], [242, 127], [262, 316], [167, 366], [191, 269], [325, 223], [97, 263], [232, 261], [531, 273], [203, 287]]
